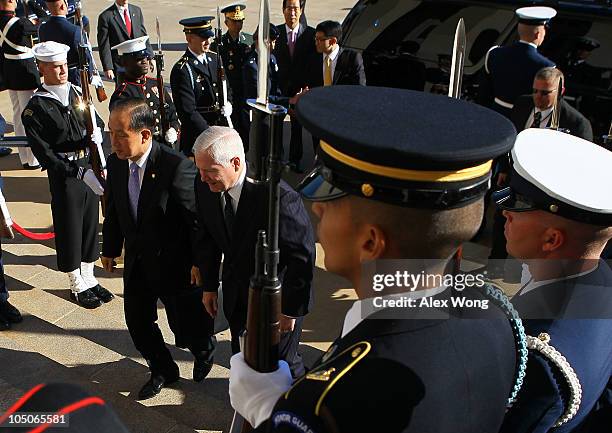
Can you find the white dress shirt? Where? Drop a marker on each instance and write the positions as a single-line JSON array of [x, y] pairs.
[[362, 308], [529, 43], [141, 163], [296, 30], [235, 191], [334, 60], [201, 57], [122, 10], [532, 284], [546, 116]]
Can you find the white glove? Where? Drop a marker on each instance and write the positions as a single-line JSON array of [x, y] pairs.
[[171, 135], [96, 137], [92, 181], [254, 395], [96, 81], [226, 110]]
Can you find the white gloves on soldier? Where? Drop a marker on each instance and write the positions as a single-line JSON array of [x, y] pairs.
[[96, 81], [171, 136], [96, 137], [226, 110], [90, 179], [254, 395]]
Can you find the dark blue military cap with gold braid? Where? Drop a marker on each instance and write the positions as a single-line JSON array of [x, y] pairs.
[[402, 147], [201, 26]]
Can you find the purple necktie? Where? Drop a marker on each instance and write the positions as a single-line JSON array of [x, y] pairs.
[[134, 189], [291, 43]]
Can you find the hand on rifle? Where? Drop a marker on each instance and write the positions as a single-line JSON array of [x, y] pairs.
[[108, 263], [196, 277], [295, 98], [90, 179], [253, 394], [209, 299], [96, 137], [286, 323], [109, 74], [171, 136], [96, 81], [226, 110]]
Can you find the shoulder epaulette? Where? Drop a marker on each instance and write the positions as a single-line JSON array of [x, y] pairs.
[[182, 61], [212, 52]]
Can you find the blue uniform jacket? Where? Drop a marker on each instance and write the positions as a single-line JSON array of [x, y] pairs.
[[577, 314]]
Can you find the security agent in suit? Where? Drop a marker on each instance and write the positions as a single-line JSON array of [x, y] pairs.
[[293, 49], [18, 66], [558, 211], [509, 70], [234, 52], [373, 178], [194, 83], [136, 59], [232, 208], [55, 126], [116, 24], [151, 213], [57, 28]]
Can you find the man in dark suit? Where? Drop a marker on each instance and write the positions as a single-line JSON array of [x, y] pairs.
[[535, 111], [333, 64], [293, 48], [194, 80], [509, 70], [371, 180], [151, 212], [232, 208], [558, 213], [118, 23]]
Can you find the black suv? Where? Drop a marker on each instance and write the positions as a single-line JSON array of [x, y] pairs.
[[408, 44]]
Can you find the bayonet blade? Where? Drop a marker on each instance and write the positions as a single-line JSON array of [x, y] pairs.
[[554, 121], [263, 58], [159, 48], [456, 72]]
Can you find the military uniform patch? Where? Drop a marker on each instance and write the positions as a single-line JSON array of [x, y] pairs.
[[27, 112]]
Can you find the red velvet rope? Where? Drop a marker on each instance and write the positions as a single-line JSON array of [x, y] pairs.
[[35, 236]]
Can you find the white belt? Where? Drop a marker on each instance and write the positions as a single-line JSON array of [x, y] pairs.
[[19, 56], [503, 103]]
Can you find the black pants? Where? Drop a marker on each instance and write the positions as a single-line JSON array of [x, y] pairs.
[[74, 207], [289, 342], [188, 320]]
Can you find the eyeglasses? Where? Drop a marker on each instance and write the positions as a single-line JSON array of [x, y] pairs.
[[543, 92], [292, 8]]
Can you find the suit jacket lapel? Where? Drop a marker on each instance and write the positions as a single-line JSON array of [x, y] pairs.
[[120, 22], [339, 66], [245, 205], [148, 181], [123, 199], [319, 71]]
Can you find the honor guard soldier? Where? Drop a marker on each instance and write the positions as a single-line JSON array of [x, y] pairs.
[[54, 122], [234, 52], [19, 73], [397, 366], [194, 81], [135, 59], [509, 70], [558, 219]]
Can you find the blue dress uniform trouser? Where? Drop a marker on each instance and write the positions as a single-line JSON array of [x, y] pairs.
[[74, 207]]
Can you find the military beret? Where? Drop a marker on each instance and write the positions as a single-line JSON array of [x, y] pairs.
[[561, 174], [402, 147], [201, 26], [535, 15], [234, 12]]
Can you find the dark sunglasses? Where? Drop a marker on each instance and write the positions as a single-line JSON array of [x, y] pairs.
[[508, 199]]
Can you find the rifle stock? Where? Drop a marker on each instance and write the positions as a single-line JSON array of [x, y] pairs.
[[78, 17]]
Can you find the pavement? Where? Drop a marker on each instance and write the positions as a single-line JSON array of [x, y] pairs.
[[60, 341]]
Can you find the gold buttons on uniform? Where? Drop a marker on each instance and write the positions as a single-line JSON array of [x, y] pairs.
[[367, 190], [554, 208]]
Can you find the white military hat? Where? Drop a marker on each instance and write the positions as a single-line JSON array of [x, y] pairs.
[[561, 174], [51, 51], [535, 15], [132, 46]]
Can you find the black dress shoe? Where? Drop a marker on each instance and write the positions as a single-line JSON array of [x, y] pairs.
[[153, 386], [86, 299], [4, 151], [202, 365], [102, 294], [4, 323], [10, 313], [31, 167]]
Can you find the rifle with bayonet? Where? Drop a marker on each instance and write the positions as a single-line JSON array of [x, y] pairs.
[[221, 80], [96, 155], [159, 66], [260, 342], [556, 113], [78, 20]]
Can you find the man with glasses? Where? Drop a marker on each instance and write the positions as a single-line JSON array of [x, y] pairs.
[[535, 111], [558, 219], [135, 58], [509, 70], [293, 49]]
